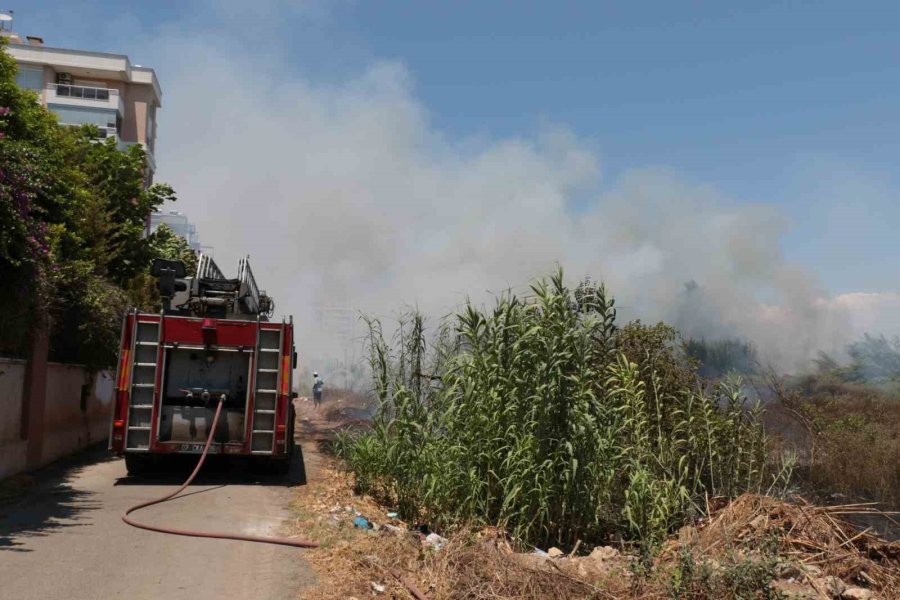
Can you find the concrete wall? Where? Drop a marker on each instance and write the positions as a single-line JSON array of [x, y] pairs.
[[13, 445], [76, 413], [137, 99]]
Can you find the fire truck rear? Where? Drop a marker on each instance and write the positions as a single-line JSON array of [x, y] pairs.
[[213, 341]]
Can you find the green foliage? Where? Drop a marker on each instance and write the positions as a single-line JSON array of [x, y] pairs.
[[162, 243], [656, 347], [540, 416], [875, 359], [72, 216], [33, 177], [118, 207], [165, 243], [87, 318], [720, 357]]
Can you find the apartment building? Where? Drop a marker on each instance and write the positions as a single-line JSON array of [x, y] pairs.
[[97, 88], [179, 224]]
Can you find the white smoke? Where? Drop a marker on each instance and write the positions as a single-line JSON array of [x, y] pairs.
[[347, 197]]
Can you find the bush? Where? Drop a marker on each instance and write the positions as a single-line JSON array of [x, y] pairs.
[[720, 357], [541, 417], [875, 359]]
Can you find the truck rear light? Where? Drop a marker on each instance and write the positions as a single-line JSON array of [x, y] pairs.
[[118, 434], [280, 428], [209, 332]]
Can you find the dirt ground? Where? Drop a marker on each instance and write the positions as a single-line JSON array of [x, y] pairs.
[[339, 411]]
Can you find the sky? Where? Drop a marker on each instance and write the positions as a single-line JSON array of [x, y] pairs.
[[778, 123]]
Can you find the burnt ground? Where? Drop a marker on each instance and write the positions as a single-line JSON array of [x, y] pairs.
[[339, 411]]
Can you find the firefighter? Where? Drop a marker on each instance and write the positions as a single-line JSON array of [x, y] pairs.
[[317, 389]]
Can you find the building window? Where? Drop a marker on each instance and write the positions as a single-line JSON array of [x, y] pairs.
[[106, 120], [30, 78], [77, 91]]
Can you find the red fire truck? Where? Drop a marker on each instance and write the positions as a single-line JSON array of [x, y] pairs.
[[212, 341]]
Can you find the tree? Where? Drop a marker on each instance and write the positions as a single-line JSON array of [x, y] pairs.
[[165, 243], [34, 181], [73, 212], [162, 243]]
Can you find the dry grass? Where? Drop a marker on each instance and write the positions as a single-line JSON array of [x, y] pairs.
[[847, 435], [341, 411], [808, 534], [733, 548], [806, 545]]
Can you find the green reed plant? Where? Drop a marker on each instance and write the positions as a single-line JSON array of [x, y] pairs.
[[532, 417]]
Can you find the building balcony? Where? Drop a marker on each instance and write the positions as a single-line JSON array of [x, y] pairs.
[[85, 97]]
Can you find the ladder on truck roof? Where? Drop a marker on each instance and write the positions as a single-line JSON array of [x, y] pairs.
[[249, 299], [249, 292], [207, 268]]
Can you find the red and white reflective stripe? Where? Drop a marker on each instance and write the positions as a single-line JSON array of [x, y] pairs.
[[285, 375]]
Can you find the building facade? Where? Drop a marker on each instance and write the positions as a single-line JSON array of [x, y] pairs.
[[82, 87], [179, 224]]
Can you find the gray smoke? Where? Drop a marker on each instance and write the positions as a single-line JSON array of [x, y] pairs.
[[349, 200]]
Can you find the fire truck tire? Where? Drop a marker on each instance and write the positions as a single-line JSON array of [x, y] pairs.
[[136, 464]]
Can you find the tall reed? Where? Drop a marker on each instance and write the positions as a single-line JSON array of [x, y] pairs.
[[529, 416]]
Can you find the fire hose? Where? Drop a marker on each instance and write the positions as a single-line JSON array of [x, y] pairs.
[[208, 534], [298, 543]]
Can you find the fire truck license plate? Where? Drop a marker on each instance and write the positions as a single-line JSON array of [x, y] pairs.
[[196, 448]]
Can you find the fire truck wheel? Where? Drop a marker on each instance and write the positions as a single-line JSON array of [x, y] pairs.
[[136, 464]]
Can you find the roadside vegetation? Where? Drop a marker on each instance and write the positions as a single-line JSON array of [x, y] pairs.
[[846, 422], [540, 422], [73, 215], [717, 358], [752, 546], [542, 417], [841, 417]]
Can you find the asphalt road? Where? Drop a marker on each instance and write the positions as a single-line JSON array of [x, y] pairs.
[[65, 538]]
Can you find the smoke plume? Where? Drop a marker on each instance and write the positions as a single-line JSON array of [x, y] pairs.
[[348, 199]]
